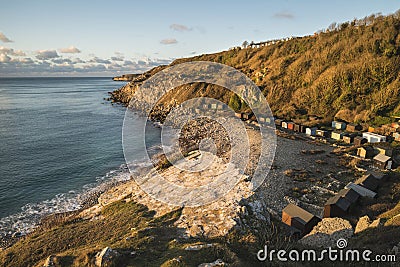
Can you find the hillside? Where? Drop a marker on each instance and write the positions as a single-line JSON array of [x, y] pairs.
[[350, 70]]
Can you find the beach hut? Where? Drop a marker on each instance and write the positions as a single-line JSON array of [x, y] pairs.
[[353, 127], [299, 218], [338, 125], [348, 138], [213, 106], [336, 206], [388, 151], [311, 131], [366, 152], [368, 181], [337, 135], [290, 126], [220, 106], [379, 175], [374, 138], [278, 122], [284, 124], [349, 194], [359, 140], [322, 133], [383, 162], [299, 128]]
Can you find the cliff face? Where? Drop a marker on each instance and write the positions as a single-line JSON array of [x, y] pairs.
[[350, 71]]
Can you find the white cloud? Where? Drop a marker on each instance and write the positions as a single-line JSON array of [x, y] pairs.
[[179, 27], [117, 58], [99, 60], [168, 41], [70, 50], [11, 52], [49, 63], [25, 60], [284, 15], [78, 60], [4, 38], [46, 54], [61, 60], [4, 58]]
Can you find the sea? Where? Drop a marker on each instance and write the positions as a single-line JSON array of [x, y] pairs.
[[60, 140]]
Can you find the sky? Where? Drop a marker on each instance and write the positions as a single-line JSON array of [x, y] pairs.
[[109, 38]]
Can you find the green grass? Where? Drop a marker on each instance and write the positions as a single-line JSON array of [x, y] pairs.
[[126, 227]]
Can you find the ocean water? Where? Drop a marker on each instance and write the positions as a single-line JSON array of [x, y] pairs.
[[59, 139]]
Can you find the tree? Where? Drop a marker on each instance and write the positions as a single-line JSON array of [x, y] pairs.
[[245, 44]]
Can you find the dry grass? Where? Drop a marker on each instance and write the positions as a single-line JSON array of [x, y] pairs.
[[127, 227]]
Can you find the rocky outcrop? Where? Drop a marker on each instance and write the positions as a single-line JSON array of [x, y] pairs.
[[210, 220], [106, 257], [365, 223], [49, 262], [327, 232], [216, 263]]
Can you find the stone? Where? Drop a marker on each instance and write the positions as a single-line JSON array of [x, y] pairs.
[[365, 223], [327, 232], [198, 247], [216, 263], [362, 224], [106, 257], [375, 223], [49, 262]]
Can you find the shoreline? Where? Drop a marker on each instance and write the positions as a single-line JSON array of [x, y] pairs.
[[86, 197]]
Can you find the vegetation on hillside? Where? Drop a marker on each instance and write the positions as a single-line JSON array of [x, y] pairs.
[[130, 227], [349, 71]]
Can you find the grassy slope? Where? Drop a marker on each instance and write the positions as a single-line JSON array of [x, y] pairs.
[[351, 71], [127, 227]]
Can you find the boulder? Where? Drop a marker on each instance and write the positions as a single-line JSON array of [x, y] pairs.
[[49, 262], [216, 263], [106, 257], [365, 223], [327, 232]]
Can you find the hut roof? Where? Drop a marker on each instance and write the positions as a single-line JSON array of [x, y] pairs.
[[368, 181], [349, 194], [298, 213], [361, 190], [367, 148], [339, 201], [381, 158]]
